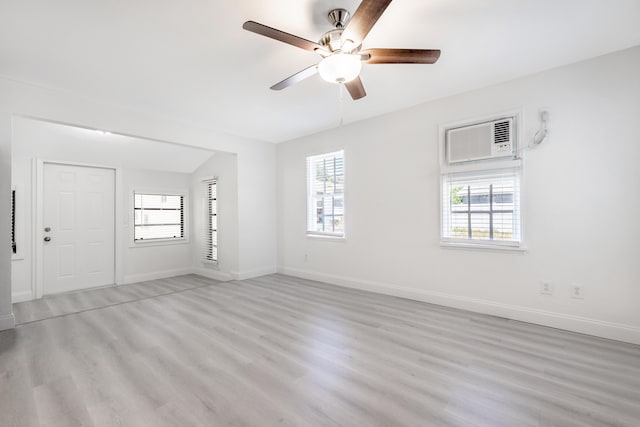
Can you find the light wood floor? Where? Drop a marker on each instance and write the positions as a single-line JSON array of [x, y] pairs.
[[282, 351], [75, 302]]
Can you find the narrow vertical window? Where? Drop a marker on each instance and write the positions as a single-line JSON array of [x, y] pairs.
[[14, 247], [211, 238], [325, 194]]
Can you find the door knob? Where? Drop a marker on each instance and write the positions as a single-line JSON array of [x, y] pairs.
[[47, 229], [47, 239]]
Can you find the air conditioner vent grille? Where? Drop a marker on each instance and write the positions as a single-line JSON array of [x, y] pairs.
[[502, 132]]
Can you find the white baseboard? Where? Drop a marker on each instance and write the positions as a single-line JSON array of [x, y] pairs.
[[7, 322], [250, 274], [213, 274], [599, 328], [135, 278], [21, 296]]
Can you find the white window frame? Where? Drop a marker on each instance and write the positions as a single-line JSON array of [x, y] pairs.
[[312, 201], [485, 175], [159, 242]]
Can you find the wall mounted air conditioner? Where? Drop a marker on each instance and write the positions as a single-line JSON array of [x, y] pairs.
[[482, 141]]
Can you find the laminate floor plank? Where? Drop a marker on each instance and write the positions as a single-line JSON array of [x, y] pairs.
[[78, 301], [282, 351]]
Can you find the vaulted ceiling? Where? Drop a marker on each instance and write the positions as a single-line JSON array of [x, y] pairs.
[[192, 61]]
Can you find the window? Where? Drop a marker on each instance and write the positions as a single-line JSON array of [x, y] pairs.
[[14, 247], [325, 194], [211, 238], [482, 208], [158, 217]]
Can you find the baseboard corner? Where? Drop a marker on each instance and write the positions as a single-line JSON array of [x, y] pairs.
[[8, 321]]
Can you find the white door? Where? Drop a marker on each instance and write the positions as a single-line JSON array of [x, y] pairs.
[[79, 227]]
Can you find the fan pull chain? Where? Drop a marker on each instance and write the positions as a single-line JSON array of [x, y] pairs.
[[341, 102]]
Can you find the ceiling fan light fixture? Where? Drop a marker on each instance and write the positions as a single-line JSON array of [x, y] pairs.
[[340, 67]]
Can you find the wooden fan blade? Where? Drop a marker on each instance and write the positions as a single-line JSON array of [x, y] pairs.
[[272, 33], [400, 56], [364, 18], [356, 88], [296, 78]]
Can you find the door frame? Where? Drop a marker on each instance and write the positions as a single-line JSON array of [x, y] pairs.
[[37, 275]]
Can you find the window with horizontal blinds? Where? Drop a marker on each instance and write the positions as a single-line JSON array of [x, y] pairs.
[[158, 217], [14, 247], [482, 208], [325, 194], [210, 250]]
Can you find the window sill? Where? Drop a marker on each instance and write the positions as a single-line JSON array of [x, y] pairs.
[[327, 237], [482, 247], [159, 242]]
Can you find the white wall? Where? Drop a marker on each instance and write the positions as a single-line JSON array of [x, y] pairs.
[[224, 167], [579, 205], [6, 315], [255, 163], [139, 262]]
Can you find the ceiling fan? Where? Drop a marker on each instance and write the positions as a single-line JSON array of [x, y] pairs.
[[341, 48]]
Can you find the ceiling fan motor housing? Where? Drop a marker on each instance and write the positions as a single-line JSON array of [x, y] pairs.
[[338, 17]]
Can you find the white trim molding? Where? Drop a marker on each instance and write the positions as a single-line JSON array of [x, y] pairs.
[[7, 321], [135, 278], [598, 328], [213, 274], [250, 274], [21, 296]]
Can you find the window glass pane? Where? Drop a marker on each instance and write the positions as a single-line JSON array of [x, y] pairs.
[[147, 232], [480, 226], [157, 201], [460, 225], [150, 217], [503, 225], [481, 208], [158, 216], [479, 197], [325, 180]]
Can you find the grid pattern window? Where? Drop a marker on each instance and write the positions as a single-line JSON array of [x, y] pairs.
[[482, 209], [211, 238], [158, 217], [325, 194]]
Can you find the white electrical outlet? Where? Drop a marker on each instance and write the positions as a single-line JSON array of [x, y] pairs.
[[577, 291], [546, 288]]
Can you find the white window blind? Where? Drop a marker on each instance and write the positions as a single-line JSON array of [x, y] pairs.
[[482, 208], [14, 247], [325, 194], [210, 249], [158, 216]]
